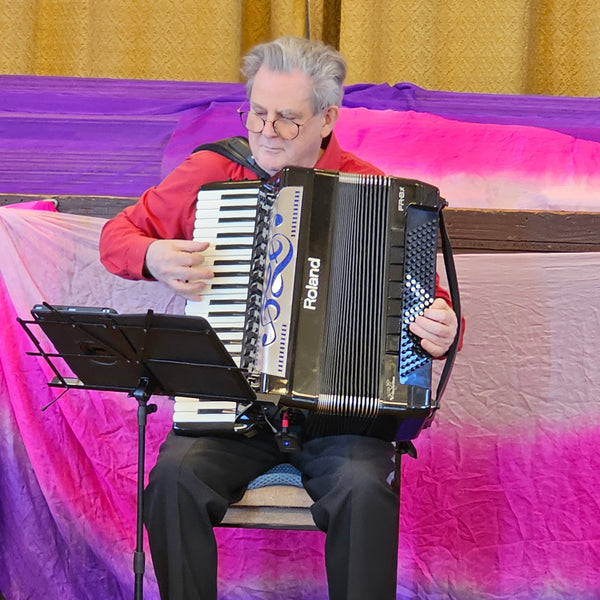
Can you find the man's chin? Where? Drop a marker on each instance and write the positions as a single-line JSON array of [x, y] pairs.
[[270, 164]]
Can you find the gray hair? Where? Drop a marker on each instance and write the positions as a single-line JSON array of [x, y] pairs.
[[322, 63]]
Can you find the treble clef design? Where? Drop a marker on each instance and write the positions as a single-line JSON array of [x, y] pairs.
[[279, 256]]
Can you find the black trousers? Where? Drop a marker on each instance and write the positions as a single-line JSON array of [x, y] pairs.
[[196, 478]]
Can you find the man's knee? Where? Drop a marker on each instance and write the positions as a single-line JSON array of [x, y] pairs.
[[170, 463]]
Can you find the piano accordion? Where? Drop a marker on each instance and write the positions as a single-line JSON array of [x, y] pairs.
[[318, 276]]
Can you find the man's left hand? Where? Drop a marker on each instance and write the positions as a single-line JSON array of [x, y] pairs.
[[436, 327]]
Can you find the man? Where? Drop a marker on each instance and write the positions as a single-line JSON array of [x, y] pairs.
[[294, 94]]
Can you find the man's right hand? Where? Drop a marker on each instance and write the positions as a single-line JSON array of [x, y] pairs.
[[179, 265]]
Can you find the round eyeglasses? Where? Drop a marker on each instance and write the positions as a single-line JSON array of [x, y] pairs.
[[286, 129]]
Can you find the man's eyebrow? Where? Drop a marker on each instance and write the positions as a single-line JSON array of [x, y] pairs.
[[286, 113], [290, 114]]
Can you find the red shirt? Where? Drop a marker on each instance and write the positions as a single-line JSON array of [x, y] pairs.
[[167, 210]]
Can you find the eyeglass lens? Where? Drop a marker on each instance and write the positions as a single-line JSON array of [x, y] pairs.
[[284, 128]]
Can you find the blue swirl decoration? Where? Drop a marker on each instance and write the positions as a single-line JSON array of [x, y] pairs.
[[280, 254]]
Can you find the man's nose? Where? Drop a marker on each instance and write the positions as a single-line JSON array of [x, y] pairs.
[[269, 129]]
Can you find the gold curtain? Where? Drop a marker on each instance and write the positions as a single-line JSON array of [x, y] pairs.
[[513, 46]]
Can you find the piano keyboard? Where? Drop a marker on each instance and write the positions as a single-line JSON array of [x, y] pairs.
[[225, 219]]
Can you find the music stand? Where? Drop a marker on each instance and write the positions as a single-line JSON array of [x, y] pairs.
[[141, 354]]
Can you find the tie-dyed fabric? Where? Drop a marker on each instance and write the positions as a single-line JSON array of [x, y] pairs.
[[502, 502]]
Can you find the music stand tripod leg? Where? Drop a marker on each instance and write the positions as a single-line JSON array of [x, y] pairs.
[[142, 393]]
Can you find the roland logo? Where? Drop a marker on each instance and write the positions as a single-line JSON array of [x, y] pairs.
[[312, 287]]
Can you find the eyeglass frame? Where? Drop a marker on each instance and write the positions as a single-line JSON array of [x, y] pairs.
[[241, 113]]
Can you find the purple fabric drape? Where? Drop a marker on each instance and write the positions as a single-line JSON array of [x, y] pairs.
[[118, 137]]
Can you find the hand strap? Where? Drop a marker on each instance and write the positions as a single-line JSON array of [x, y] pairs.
[[455, 297]]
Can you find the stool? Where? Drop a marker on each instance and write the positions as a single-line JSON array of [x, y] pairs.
[[274, 500]]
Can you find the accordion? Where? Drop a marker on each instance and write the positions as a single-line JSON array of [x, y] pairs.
[[318, 276]]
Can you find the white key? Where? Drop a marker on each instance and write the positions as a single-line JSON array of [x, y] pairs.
[[203, 307], [204, 228], [243, 255]]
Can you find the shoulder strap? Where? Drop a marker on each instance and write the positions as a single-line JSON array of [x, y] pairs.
[[237, 150]]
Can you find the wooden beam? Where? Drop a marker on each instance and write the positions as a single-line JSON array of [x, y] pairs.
[[477, 230], [104, 207]]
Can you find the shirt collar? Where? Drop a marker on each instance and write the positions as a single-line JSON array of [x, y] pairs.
[[331, 158]]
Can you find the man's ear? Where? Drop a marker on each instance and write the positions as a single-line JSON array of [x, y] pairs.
[[330, 116]]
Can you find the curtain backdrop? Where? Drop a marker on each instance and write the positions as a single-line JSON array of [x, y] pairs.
[[502, 503], [547, 47]]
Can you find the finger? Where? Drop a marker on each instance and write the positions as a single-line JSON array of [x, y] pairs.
[[440, 303], [189, 290], [183, 266], [185, 260], [197, 259], [195, 274], [435, 338], [190, 246], [437, 315], [439, 311], [424, 326], [436, 350]]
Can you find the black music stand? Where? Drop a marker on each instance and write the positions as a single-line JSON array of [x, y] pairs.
[[141, 354]]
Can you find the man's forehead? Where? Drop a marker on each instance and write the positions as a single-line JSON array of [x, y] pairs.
[[297, 107], [280, 90]]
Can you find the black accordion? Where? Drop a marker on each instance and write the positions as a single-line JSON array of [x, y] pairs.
[[318, 276]]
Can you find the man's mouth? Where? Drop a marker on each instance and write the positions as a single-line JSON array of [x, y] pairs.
[[271, 149]]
